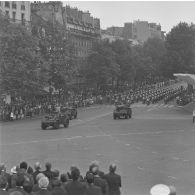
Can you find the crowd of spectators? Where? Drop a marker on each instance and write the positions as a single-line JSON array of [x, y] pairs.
[[24, 180], [146, 93]]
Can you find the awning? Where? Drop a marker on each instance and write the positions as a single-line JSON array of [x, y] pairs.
[[189, 78]]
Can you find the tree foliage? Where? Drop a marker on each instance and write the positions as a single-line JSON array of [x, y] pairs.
[[19, 60], [57, 52], [180, 46]]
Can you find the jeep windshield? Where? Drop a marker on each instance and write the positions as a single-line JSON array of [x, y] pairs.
[[119, 108]]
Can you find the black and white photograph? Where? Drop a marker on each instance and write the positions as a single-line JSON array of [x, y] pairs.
[[97, 97]]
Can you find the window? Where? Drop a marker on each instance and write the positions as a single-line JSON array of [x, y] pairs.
[[22, 18], [13, 5], [22, 7], [7, 13], [7, 4], [14, 16]]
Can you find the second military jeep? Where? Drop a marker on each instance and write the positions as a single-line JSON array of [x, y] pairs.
[[55, 119], [70, 111], [122, 111]]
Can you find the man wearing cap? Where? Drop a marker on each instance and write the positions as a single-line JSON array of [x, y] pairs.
[[91, 188], [3, 185], [113, 180]]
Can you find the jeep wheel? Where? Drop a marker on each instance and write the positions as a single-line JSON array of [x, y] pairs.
[[114, 117], [130, 116], [126, 116], [75, 116], [43, 126], [66, 124], [56, 125]]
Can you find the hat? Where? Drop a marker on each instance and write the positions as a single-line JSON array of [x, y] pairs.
[[43, 182], [160, 189], [13, 169]]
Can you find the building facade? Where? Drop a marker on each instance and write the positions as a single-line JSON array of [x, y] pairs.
[[16, 11], [80, 27], [139, 31]]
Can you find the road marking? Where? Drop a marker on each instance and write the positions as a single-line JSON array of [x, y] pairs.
[[172, 177], [141, 168], [175, 158], [91, 136]]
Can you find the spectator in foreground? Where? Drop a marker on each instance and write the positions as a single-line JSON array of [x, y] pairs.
[[19, 186], [100, 182], [43, 184], [91, 188], [113, 180], [28, 186], [56, 188], [37, 168], [163, 189], [64, 180], [3, 185], [48, 173], [36, 185], [75, 187]]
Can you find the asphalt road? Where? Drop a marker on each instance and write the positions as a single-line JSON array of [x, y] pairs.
[[155, 146]]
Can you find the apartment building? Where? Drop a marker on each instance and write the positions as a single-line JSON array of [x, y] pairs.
[[80, 27], [16, 11]]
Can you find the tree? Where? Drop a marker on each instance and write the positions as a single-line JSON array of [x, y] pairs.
[[155, 50], [19, 61], [57, 51], [101, 66], [180, 45]]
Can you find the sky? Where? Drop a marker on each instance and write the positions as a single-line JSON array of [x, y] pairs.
[[116, 13]]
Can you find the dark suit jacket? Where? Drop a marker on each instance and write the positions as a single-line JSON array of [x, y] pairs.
[[75, 188], [58, 191], [93, 190], [42, 192], [3, 192], [114, 183], [17, 189], [98, 181], [35, 175]]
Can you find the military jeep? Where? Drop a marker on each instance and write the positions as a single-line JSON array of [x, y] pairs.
[[122, 111], [70, 111], [55, 119]]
